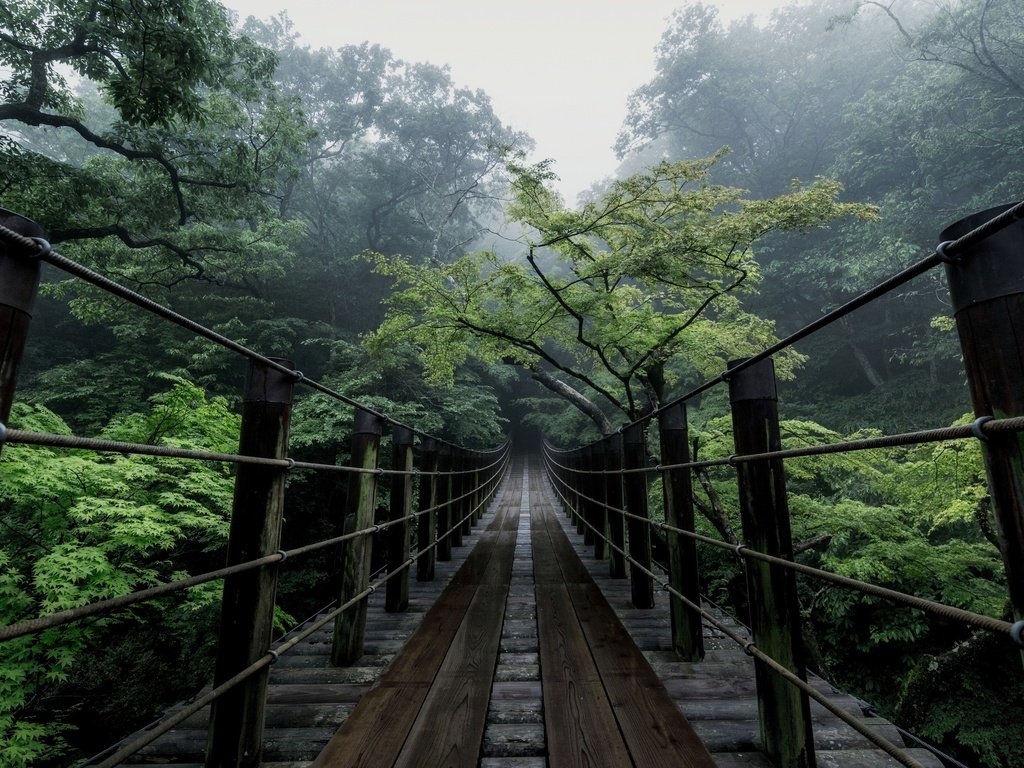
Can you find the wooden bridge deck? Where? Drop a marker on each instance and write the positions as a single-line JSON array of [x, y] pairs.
[[521, 662]]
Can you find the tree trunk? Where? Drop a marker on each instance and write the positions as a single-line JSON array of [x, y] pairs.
[[578, 399]]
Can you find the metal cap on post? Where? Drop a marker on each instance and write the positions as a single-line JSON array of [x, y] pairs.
[[247, 611], [986, 283], [19, 283], [786, 733]]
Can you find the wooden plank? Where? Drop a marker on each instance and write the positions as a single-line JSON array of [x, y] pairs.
[[654, 731], [376, 736], [450, 725]]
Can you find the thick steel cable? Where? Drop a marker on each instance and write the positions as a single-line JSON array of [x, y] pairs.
[[897, 753], [929, 606]]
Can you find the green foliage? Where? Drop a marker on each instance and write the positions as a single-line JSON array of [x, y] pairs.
[[615, 297], [80, 527]]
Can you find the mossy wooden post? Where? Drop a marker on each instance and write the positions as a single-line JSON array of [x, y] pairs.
[[19, 282], [583, 490], [598, 489], [786, 735], [634, 456], [467, 515], [576, 464], [986, 283], [459, 522], [613, 494], [235, 736], [426, 526], [444, 497], [360, 505], [683, 574], [480, 483], [397, 596]]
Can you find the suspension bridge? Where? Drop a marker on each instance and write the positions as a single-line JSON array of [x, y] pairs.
[[524, 616]]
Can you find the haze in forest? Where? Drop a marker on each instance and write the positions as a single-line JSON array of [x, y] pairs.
[[560, 71]]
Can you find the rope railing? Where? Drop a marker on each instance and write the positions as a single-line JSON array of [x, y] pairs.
[[930, 606], [987, 291], [131, 746], [979, 429], [67, 616], [75, 442], [751, 649]]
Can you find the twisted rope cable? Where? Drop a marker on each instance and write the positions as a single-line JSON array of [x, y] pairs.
[[881, 742], [929, 606]]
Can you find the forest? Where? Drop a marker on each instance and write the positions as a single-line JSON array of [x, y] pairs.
[[371, 219]]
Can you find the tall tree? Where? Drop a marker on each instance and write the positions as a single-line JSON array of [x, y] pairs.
[[609, 304]]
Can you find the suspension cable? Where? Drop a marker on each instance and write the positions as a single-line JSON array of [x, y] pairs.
[[930, 606], [59, 618], [881, 742]]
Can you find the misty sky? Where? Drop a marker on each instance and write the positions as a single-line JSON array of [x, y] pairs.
[[559, 69]]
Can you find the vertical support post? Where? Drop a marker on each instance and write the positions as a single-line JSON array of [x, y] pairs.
[[599, 491], [774, 611], [426, 527], [480, 484], [19, 281], [458, 490], [583, 489], [444, 497], [575, 464], [986, 284], [235, 736], [634, 453], [360, 506], [467, 491], [677, 491], [613, 494], [397, 596]]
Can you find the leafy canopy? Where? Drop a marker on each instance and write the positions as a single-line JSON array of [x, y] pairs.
[[618, 299]]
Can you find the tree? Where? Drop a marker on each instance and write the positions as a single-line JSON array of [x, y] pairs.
[[175, 155], [616, 301]]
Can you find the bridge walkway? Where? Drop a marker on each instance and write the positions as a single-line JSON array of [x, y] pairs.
[[530, 656]]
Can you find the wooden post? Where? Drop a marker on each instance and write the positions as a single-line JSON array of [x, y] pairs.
[[774, 611], [634, 454], [613, 494], [986, 284], [480, 483], [235, 736], [458, 489], [586, 463], [599, 487], [467, 491], [444, 514], [576, 464], [360, 506], [19, 281], [426, 527], [397, 596], [677, 491]]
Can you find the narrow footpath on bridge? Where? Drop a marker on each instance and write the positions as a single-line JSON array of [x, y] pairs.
[[521, 662]]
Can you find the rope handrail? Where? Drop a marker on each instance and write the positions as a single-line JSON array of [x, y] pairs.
[[977, 429], [52, 440], [60, 618], [881, 742], [42, 250], [945, 252], [143, 739], [930, 606]]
